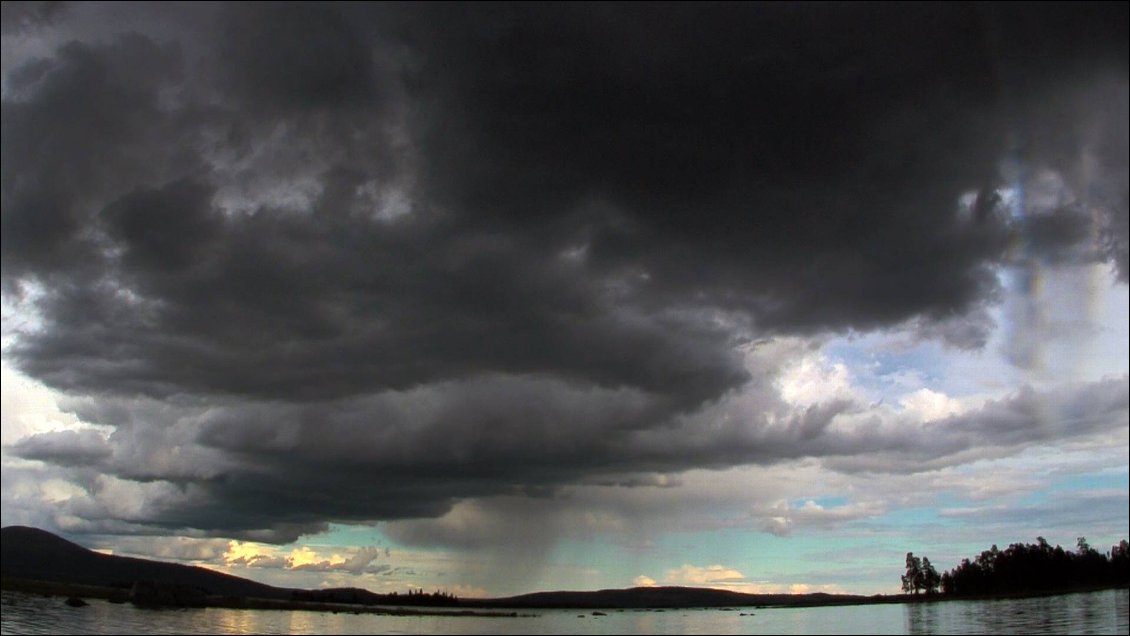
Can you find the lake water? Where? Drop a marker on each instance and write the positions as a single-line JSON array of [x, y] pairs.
[[1105, 612]]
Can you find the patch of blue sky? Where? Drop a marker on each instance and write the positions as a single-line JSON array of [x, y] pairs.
[[823, 502], [615, 565], [1032, 499], [1075, 506], [1070, 322], [751, 550], [946, 500], [887, 366], [1081, 334], [863, 560], [909, 518], [1111, 358], [1119, 480], [343, 535]]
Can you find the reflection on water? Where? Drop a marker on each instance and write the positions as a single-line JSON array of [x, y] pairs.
[[1094, 613], [1091, 613]]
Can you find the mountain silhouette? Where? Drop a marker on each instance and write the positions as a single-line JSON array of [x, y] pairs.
[[663, 597], [38, 555], [31, 553]]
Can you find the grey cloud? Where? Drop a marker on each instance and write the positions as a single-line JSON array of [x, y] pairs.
[[340, 262], [166, 548], [68, 447], [1070, 516], [693, 142], [1026, 418], [76, 127], [529, 526], [23, 16], [475, 306], [297, 56], [362, 561], [1030, 416], [20, 503], [969, 331], [734, 211], [263, 561], [781, 519], [1059, 236], [163, 229], [276, 471], [1074, 160]]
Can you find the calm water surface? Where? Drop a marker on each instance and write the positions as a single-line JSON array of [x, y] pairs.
[[1092, 613]]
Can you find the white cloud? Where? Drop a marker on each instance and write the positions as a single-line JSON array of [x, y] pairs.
[[28, 408], [724, 577], [926, 405], [708, 576], [814, 379], [783, 519], [174, 548]]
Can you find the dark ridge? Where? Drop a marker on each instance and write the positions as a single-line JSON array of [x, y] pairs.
[[30, 553], [37, 555], [662, 597], [33, 555]]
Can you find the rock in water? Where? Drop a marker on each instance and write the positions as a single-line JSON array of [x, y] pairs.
[[160, 594]]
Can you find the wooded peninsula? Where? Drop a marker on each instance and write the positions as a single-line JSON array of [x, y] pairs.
[[1023, 569]]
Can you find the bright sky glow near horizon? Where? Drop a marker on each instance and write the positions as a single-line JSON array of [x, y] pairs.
[[495, 299]]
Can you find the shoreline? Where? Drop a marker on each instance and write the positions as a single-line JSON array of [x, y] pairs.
[[489, 608], [122, 596]]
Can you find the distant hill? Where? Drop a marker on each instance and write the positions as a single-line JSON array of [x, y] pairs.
[[38, 555], [664, 597], [31, 553]]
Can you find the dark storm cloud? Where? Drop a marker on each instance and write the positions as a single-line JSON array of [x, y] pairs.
[[750, 152], [296, 57], [163, 229], [19, 16], [76, 128], [359, 262]]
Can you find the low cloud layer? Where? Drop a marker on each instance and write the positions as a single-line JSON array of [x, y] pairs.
[[290, 470], [303, 263]]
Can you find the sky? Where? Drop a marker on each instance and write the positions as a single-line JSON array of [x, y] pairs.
[[493, 299]]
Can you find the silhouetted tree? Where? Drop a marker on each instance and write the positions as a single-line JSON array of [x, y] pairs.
[[912, 580], [930, 578]]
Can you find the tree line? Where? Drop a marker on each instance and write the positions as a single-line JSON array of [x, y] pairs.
[[415, 596], [1020, 567]]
